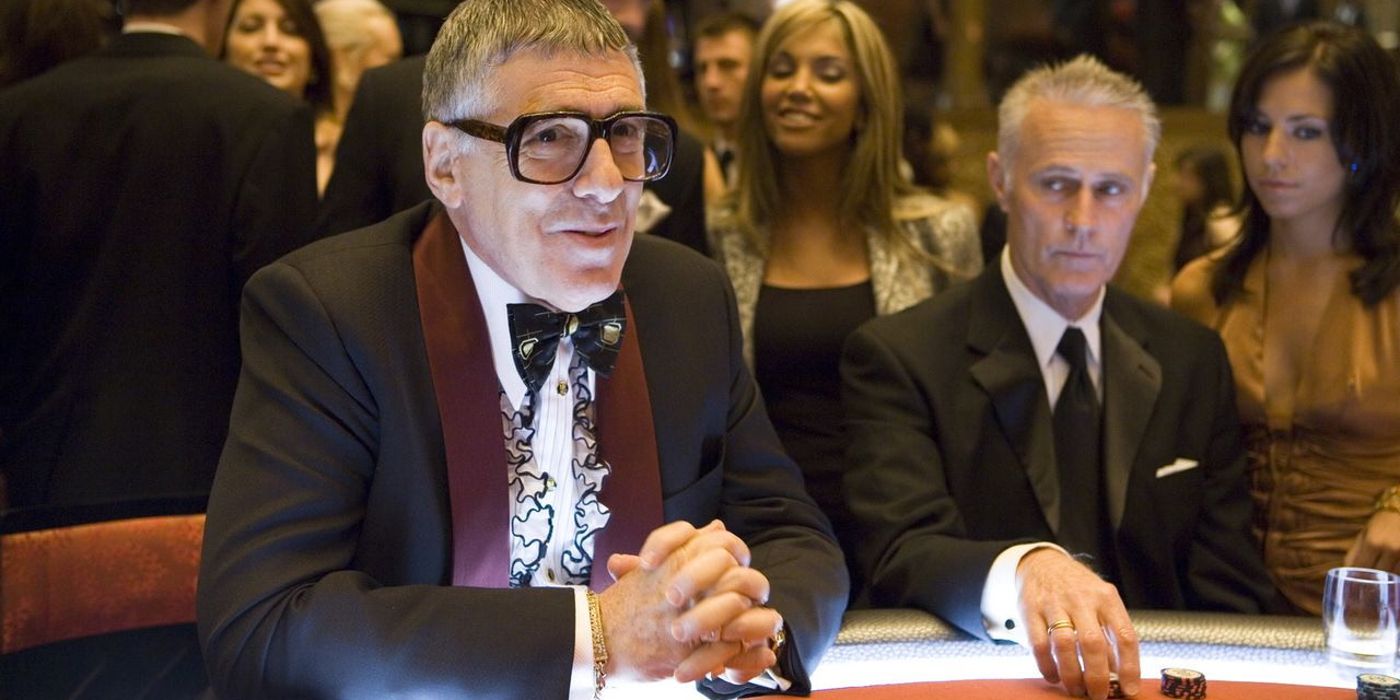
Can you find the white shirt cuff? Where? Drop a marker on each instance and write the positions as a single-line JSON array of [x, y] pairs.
[[1001, 598], [771, 680], [581, 680]]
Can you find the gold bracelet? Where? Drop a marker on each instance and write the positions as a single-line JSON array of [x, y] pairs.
[[1388, 500], [600, 645]]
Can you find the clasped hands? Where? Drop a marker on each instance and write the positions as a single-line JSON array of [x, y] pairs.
[[1076, 624], [687, 605]]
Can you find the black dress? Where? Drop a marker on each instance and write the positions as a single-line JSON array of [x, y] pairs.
[[797, 339]]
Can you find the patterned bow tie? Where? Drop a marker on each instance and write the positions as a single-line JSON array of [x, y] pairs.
[[535, 332]]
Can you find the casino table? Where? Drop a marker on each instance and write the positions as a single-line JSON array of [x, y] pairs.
[[1033, 689], [910, 654]]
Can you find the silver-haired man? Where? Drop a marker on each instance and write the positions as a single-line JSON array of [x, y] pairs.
[[496, 447], [1035, 412]]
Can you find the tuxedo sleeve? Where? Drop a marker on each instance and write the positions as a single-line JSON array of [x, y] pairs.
[[283, 610], [1225, 570], [275, 211], [912, 542], [765, 502]]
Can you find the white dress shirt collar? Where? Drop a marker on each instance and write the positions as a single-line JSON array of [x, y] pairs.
[[151, 27], [1045, 325], [495, 293]]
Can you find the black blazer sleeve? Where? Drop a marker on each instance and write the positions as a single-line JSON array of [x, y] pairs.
[[283, 609], [683, 189], [914, 545], [379, 160], [789, 536], [705, 401], [275, 208]]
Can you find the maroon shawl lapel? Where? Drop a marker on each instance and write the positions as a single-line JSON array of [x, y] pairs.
[[469, 402], [627, 441], [468, 399]]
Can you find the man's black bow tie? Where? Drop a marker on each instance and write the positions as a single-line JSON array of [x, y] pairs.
[[535, 332]]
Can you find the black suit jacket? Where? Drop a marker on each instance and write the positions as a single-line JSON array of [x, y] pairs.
[[328, 546], [379, 162], [952, 454], [142, 186]]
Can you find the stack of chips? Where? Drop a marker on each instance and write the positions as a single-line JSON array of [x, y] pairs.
[[1184, 683], [1115, 689], [1374, 686]]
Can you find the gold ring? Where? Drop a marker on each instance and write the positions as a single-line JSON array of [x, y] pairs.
[[1059, 625]]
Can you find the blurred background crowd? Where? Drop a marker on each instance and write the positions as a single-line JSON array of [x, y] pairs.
[[955, 59]]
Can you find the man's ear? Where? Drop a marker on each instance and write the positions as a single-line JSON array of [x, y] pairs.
[[440, 153], [996, 177], [1147, 180]]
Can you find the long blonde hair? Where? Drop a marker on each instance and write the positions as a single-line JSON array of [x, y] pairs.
[[871, 182]]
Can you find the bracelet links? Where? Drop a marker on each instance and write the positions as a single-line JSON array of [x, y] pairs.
[[600, 645]]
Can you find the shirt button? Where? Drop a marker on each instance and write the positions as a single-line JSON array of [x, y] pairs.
[[549, 574], [549, 482], [562, 387]]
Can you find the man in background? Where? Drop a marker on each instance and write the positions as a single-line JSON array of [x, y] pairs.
[[721, 54], [143, 184]]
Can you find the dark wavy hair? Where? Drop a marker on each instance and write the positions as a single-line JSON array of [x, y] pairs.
[[1365, 85], [318, 88]]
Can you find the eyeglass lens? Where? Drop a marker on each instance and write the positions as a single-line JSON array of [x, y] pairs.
[[551, 149]]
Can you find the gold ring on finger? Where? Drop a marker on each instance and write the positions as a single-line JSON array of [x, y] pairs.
[[1065, 624]]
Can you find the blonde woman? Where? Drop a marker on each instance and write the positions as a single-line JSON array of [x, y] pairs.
[[821, 232]]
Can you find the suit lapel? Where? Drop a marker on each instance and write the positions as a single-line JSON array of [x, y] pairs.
[[468, 399], [1015, 388], [627, 442], [1132, 380]]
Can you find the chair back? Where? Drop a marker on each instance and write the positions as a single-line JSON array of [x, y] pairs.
[[70, 581]]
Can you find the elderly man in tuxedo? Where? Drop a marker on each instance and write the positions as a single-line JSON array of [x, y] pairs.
[[1035, 412], [486, 448]]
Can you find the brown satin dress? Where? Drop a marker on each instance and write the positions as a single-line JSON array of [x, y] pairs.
[[1317, 471]]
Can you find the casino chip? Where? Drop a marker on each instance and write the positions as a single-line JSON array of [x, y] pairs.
[[1375, 686], [1184, 683], [1115, 689]]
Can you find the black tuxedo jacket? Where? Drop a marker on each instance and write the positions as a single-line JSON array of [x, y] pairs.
[[379, 162], [328, 546], [142, 186], [952, 455]]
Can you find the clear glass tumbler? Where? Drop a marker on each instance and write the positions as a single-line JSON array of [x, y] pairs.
[[1361, 618]]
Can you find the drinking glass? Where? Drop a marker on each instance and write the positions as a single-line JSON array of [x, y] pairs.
[[1360, 608]]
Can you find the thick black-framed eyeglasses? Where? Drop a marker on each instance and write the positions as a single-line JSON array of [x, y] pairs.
[[547, 148]]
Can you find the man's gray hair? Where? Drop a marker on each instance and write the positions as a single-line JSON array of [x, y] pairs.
[[481, 35], [1082, 81]]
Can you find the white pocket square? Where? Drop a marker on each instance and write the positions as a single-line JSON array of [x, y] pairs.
[[1180, 465]]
